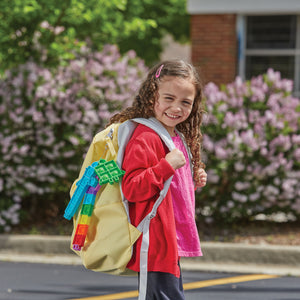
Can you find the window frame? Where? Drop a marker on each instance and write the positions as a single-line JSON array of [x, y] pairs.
[[243, 52]]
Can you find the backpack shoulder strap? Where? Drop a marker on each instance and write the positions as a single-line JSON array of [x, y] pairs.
[[124, 134], [154, 124], [125, 131]]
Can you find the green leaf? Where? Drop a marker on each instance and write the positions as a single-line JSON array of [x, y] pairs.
[[28, 9]]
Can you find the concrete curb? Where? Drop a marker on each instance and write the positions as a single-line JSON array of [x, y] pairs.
[[244, 258], [220, 257]]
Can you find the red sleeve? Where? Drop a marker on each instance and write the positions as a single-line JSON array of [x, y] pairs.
[[145, 166]]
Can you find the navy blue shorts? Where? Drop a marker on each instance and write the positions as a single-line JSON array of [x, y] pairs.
[[164, 286]]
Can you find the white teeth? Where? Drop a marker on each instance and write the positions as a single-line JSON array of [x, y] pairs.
[[172, 116]]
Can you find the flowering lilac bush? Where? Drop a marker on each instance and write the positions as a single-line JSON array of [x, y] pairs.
[[48, 119], [252, 149]]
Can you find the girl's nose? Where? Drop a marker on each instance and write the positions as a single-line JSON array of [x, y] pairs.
[[176, 108]]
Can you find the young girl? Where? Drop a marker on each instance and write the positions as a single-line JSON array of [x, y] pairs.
[[172, 93]]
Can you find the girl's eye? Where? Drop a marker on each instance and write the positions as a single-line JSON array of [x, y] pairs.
[[187, 103]]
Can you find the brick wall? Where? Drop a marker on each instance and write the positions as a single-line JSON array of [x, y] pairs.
[[214, 46]]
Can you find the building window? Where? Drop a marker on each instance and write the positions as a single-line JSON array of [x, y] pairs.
[[270, 41]]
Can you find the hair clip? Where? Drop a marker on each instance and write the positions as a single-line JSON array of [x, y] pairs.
[[157, 74]]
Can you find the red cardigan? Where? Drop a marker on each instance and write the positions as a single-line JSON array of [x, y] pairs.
[[146, 171]]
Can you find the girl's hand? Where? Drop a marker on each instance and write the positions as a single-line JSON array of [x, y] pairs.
[[202, 178], [176, 159]]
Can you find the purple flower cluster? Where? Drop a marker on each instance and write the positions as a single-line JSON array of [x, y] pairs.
[[48, 119], [252, 147]]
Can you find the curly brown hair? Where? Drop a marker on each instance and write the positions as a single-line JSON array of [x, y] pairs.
[[143, 105]]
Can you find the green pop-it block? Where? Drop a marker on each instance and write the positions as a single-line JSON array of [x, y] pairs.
[[108, 172]]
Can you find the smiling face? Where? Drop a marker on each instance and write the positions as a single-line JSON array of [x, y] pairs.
[[175, 102]]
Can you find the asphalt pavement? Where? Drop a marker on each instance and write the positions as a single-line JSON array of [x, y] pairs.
[[217, 256]]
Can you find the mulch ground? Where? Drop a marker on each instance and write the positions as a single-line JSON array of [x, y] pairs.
[[254, 232]]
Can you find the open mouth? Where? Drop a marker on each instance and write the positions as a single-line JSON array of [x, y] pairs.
[[174, 117]]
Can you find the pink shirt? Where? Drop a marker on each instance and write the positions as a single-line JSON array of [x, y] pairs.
[[183, 196]]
